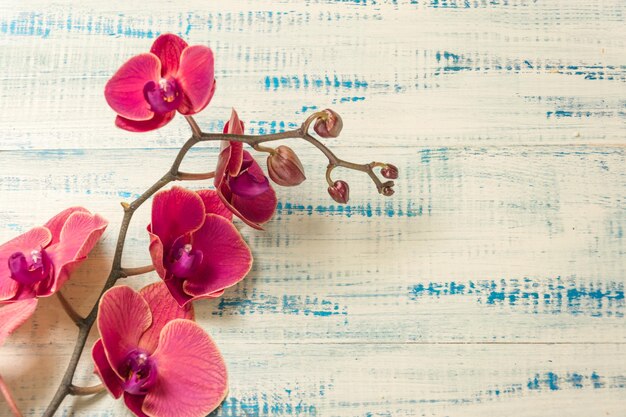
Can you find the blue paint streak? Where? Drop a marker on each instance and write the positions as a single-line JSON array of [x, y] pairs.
[[263, 405], [254, 302], [552, 296], [316, 82], [386, 209]]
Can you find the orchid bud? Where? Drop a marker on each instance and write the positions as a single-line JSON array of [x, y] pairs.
[[340, 192], [390, 171], [329, 125], [285, 167], [387, 191]]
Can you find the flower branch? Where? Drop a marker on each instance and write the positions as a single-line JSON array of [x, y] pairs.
[[81, 391], [76, 318]]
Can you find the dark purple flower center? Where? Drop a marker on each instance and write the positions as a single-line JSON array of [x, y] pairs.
[[183, 259], [164, 96], [29, 270], [139, 372]]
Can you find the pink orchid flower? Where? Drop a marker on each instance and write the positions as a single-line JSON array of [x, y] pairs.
[[240, 181], [194, 246], [149, 88], [152, 352], [38, 262], [12, 316]]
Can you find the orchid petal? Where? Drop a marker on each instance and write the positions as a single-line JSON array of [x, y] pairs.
[[35, 239], [175, 212], [186, 106], [56, 223], [213, 204], [123, 317], [164, 309], [235, 127], [156, 253], [13, 315], [192, 378], [79, 235], [158, 120], [168, 48], [109, 377], [134, 404], [227, 258], [196, 76], [124, 91]]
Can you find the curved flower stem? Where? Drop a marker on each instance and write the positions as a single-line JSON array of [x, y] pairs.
[[189, 176], [173, 174], [4, 390], [129, 272], [74, 390], [76, 318]]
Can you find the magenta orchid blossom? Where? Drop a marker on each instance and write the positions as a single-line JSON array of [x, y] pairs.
[[195, 248], [241, 183], [38, 262], [152, 353], [149, 88]]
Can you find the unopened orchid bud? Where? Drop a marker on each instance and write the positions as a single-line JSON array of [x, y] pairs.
[[390, 171], [340, 192], [329, 125], [285, 167], [387, 191]]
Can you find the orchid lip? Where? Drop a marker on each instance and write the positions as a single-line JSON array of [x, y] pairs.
[[184, 259], [247, 185], [164, 96], [139, 372], [30, 270]]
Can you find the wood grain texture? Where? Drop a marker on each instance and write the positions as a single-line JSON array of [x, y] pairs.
[[490, 284]]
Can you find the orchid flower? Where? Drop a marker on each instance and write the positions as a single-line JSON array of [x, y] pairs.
[[194, 246], [240, 181], [152, 353], [149, 88], [38, 262]]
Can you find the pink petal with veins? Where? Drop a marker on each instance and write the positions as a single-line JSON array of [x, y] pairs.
[[235, 127], [213, 204], [35, 239], [164, 309], [227, 258], [158, 120], [168, 48], [13, 315], [79, 235], [175, 212], [123, 317], [124, 91], [56, 223], [196, 77], [192, 378], [109, 377], [134, 404]]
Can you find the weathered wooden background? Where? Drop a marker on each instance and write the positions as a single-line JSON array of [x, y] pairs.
[[491, 284]]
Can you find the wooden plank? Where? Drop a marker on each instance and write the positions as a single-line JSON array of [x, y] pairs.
[[490, 71], [356, 380]]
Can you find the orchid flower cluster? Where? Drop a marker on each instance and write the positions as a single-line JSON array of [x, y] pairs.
[[150, 350]]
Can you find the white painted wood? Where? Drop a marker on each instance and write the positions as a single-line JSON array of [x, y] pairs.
[[491, 284]]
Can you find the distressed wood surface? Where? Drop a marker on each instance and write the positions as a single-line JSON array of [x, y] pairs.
[[490, 284]]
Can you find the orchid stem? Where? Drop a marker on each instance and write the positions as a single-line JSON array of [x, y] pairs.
[[190, 176], [75, 390], [129, 272], [173, 174], [76, 318], [4, 389]]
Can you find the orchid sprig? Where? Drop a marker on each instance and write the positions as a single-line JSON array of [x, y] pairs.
[[145, 353]]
